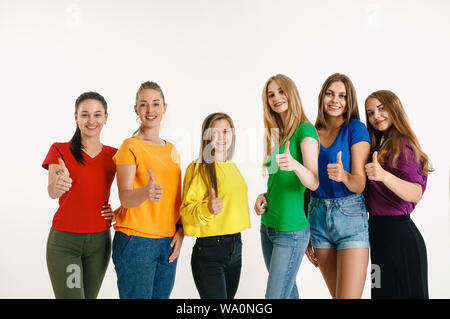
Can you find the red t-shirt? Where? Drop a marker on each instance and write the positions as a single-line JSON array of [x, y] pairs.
[[80, 208]]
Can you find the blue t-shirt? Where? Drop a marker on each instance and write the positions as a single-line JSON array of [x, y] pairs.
[[349, 135]]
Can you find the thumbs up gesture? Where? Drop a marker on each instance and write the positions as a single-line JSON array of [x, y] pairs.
[[285, 160], [63, 181], [215, 203], [154, 190], [374, 170], [336, 171]]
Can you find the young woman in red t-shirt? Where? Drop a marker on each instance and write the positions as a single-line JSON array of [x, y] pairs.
[[80, 174]]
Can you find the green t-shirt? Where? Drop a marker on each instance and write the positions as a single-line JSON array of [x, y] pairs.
[[285, 192]]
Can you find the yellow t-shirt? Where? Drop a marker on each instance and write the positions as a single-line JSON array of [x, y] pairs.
[[151, 219], [232, 189]]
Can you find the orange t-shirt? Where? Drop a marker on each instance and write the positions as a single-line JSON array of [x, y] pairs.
[[151, 219]]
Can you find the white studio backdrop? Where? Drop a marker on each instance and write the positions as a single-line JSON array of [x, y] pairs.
[[207, 56]]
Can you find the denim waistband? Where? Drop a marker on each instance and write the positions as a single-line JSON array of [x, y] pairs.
[[355, 198], [269, 229]]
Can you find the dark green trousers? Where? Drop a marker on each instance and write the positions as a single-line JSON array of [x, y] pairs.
[[77, 263]]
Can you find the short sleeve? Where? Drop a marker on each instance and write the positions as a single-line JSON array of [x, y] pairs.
[[357, 132], [52, 156], [408, 169], [306, 130], [125, 155]]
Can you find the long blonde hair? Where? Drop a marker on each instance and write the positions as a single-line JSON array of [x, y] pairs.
[[272, 120], [350, 98], [205, 162], [144, 86], [400, 128]]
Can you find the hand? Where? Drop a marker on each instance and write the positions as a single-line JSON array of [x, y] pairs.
[[336, 172], [285, 161], [215, 203], [176, 243], [63, 181], [260, 200], [374, 170], [154, 190], [108, 213], [312, 256]]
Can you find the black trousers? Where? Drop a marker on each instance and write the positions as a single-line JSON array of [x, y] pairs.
[[399, 258], [216, 264]]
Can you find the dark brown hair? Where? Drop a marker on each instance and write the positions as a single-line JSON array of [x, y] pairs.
[[352, 102]]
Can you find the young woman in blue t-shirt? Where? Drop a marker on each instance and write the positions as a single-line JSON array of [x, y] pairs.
[[337, 213]]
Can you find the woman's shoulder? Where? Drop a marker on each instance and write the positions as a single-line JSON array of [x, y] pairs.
[[61, 146], [128, 142], [406, 149], [357, 132], [356, 124], [306, 129], [110, 150], [305, 126]]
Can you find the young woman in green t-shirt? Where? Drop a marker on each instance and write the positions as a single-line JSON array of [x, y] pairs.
[[292, 167]]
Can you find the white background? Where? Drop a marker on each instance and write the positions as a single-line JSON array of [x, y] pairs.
[[207, 56]]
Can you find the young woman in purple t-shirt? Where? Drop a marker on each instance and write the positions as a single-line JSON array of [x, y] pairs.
[[397, 178]]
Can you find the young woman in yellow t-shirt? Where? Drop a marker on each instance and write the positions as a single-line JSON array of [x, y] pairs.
[[215, 210], [147, 241]]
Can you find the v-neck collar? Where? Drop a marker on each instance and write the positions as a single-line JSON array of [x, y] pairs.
[[96, 156], [335, 139]]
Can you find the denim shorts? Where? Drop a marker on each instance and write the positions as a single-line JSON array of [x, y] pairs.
[[339, 223]]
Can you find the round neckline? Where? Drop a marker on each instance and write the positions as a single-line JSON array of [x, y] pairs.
[[165, 142]]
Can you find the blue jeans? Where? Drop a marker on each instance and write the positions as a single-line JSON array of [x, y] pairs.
[[142, 266], [283, 253]]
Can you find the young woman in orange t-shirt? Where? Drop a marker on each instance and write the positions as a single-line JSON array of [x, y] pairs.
[[147, 241]]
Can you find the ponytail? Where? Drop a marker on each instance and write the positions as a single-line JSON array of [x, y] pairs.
[[76, 147]]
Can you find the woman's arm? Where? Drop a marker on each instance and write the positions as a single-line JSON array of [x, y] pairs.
[[308, 172], [130, 197], [408, 191], [260, 201], [355, 181], [196, 208]]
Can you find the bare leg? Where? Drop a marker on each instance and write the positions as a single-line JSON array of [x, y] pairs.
[[351, 272], [327, 258]]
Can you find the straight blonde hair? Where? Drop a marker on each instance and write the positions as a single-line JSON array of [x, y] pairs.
[[272, 120]]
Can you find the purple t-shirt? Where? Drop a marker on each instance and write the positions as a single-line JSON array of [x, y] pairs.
[[381, 200]]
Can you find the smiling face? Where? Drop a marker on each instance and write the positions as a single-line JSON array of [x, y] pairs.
[[377, 116], [276, 98], [90, 117], [334, 100], [221, 137], [150, 108]]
